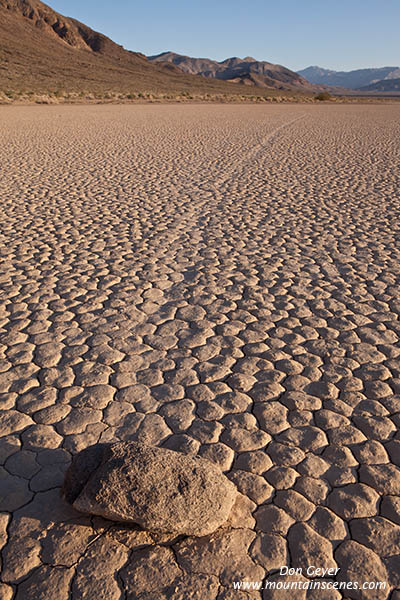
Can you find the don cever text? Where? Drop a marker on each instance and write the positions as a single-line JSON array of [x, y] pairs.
[[311, 571]]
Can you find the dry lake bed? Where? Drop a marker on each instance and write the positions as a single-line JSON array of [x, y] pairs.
[[217, 280]]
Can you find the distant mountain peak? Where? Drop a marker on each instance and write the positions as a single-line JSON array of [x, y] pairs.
[[348, 79], [384, 86]]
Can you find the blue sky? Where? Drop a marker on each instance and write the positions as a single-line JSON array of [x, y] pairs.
[[335, 34]]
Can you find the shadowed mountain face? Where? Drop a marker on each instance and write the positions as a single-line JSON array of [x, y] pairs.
[[247, 70], [349, 79], [41, 50]]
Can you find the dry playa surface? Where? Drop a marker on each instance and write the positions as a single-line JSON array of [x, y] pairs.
[[218, 280]]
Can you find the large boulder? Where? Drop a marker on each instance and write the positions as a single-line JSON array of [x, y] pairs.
[[159, 489]]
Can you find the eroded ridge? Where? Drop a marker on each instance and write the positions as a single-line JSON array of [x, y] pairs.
[[218, 280]]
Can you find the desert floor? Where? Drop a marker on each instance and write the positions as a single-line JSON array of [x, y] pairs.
[[219, 280]]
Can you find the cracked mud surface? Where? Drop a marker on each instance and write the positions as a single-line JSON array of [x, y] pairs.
[[222, 281]]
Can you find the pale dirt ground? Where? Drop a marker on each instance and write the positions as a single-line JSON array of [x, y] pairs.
[[220, 280]]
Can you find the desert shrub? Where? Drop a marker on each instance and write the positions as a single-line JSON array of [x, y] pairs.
[[323, 96]]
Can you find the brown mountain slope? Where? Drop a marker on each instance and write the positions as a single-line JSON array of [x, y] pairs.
[[41, 51], [241, 70]]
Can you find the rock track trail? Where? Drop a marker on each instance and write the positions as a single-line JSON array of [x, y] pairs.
[[219, 280]]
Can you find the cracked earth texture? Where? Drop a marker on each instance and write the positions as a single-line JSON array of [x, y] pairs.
[[218, 280]]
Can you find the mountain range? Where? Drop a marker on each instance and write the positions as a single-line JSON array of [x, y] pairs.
[[384, 86], [248, 71], [357, 80], [42, 50]]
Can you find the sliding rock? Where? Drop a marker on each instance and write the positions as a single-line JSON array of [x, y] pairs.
[[158, 489]]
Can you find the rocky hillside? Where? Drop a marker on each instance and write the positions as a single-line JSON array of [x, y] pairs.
[[247, 71]]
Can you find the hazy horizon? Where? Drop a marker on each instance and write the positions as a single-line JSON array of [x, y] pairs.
[[332, 37]]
